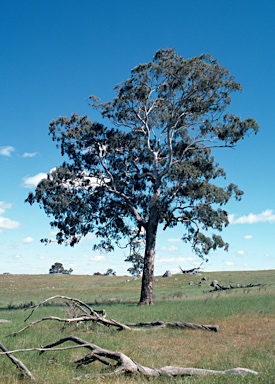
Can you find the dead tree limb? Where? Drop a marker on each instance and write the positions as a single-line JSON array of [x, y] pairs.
[[191, 271], [176, 324], [88, 314], [118, 361], [123, 364], [22, 368], [105, 322], [120, 326], [85, 308], [219, 287]]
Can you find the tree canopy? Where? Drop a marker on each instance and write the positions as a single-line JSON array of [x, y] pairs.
[[153, 165], [57, 268]]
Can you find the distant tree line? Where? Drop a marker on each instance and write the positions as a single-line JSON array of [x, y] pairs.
[[57, 268], [109, 272]]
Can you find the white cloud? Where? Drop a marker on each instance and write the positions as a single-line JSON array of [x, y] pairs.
[[93, 181], [32, 181], [171, 248], [240, 252], [8, 223], [28, 240], [30, 154], [4, 206], [177, 240], [53, 233], [248, 237], [229, 263], [175, 259], [90, 236], [4, 221], [266, 216], [6, 151], [97, 258]]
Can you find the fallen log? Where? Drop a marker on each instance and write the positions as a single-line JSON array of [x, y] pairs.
[[219, 287], [191, 271], [105, 322], [176, 324], [88, 314], [129, 326], [122, 364], [118, 361]]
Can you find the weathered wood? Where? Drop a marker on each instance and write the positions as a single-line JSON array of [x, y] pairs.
[[219, 287], [176, 324], [125, 365], [191, 271], [22, 368], [94, 316], [84, 307], [87, 318]]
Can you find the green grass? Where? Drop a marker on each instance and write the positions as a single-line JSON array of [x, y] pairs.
[[246, 318]]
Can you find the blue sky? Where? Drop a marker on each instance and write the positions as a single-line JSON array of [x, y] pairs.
[[54, 54]]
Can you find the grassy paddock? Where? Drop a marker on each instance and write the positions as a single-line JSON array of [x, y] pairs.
[[246, 318]]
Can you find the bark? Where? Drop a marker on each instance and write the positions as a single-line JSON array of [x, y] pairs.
[[126, 365], [76, 320], [146, 295], [129, 327], [176, 324]]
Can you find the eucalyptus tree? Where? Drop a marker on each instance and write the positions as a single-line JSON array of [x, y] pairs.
[[153, 166]]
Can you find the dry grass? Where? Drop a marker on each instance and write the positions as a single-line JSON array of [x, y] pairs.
[[246, 320]]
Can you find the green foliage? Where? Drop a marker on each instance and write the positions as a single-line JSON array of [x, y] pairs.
[[156, 167], [57, 268], [109, 272], [137, 264], [174, 110]]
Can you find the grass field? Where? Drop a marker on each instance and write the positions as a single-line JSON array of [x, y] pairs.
[[246, 318]]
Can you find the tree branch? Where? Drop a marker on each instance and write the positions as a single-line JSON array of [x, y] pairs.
[[126, 365], [22, 368], [94, 317]]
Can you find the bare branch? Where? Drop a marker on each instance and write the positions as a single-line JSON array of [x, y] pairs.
[[96, 319], [82, 304], [125, 365], [176, 324], [22, 368]]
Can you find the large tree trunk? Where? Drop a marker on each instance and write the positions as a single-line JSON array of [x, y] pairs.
[[146, 295]]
